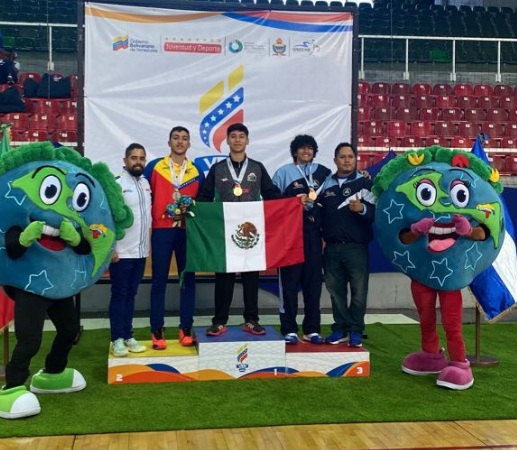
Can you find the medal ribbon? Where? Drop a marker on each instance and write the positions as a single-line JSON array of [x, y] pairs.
[[237, 179], [176, 180], [310, 181]]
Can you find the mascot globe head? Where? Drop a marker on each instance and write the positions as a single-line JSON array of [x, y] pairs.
[[439, 183], [41, 183]]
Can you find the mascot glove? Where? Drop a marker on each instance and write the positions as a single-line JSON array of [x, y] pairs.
[[32, 233], [422, 226], [462, 225], [69, 234]]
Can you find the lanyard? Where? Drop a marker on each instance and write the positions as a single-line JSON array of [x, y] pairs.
[[176, 180], [237, 179], [310, 181]]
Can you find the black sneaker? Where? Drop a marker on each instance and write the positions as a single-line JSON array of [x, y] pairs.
[[254, 327], [216, 330]]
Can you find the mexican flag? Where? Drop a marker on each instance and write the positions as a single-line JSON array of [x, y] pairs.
[[244, 236]]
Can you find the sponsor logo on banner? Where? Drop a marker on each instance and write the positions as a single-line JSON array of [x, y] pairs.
[[279, 47], [134, 45], [120, 43], [189, 45], [205, 162], [235, 46], [308, 47], [242, 355], [221, 108]]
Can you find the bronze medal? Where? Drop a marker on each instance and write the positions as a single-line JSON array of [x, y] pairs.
[[312, 195]]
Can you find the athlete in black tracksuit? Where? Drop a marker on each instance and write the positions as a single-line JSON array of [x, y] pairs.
[[293, 179]]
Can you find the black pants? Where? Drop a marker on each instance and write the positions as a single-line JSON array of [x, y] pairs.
[[224, 283], [30, 311], [310, 276]]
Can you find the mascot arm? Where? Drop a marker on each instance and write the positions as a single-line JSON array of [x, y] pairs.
[[32, 233], [69, 234], [13, 247]]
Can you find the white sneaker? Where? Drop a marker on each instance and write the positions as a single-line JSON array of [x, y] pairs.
[[134, 346], [118, 348]]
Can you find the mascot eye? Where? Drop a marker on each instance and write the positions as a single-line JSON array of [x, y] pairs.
[[426, 193], [50, 189], [460, 195], [81, 198]]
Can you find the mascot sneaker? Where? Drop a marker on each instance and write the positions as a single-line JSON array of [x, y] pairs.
[[423, 363], [457, 375], [18, 402], [70, 380]]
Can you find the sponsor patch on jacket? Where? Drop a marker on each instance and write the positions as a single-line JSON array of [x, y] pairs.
[[252, 177], [329, 194]]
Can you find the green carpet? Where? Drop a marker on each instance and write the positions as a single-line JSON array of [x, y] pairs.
[[388, 395]]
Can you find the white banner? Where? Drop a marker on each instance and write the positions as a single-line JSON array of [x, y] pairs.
[[281, 73]]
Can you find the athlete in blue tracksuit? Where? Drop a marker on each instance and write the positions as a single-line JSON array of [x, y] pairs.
[[303, 176]]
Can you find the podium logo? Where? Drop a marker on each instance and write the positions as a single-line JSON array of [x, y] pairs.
[[242, 355], [235, 46], [220, 107]]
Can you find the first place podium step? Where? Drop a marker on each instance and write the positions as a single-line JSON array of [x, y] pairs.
[[237, 355]]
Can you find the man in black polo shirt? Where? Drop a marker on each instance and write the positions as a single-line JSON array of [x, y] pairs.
[[237, 179], [348, 210]]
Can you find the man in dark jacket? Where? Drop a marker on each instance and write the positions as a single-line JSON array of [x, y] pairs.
[[348, 210]]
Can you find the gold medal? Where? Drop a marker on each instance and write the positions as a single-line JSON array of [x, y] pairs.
[[237, 190], [312, 195]]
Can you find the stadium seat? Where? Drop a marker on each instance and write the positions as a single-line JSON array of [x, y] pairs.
[[422, 89], [380, 88], [483, 90], [498, 162], [32, 75], [466, 101], [444, 129], [36, 135], [488, 102], [460, 142], [397, 128], [494, 129], [424, 101], [509, 143], [68, 106], [463, 89], [442, 89], [383, 114], [445, 101], [362, 99], [407, 114], [468, 130], [436, 140], [64, 136], [452, 114], [386, 142], [476, 115], [378, 100], [430, 114], [503, 90], [512, 115], [20, 121], [511, 130], [400, 89], [363, 87], [410, 141], [511, 164], [373, 128], [364, 160], [364, 113], [497, 115], [19, 136], [4, 87], [365, 141], [421, 129], [43, 122], [46, 106], [67, 122], [401, 101], [508, 102]]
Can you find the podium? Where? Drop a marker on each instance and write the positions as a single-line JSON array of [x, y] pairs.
[[237, 355]]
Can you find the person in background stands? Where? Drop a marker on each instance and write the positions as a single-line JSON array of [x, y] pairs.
[[303, 176], [172, 178], [128, 261]]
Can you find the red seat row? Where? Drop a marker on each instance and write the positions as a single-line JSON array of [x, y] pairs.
[[419, 142], [478, 90], [63, 136], [399, 128], [49, 122]]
